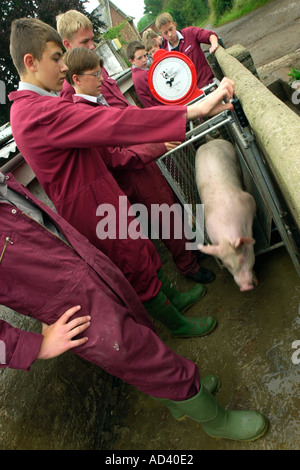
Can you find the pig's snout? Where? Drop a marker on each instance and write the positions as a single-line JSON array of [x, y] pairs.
[[245, 288], [248, 285]]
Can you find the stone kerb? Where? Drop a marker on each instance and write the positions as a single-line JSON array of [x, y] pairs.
[[276, 127]]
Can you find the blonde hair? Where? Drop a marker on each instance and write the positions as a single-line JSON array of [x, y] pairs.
[[79, 60], [68, 24], [163, 19], [30, 36]]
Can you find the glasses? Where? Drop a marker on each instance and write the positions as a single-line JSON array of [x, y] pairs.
[[96, 74]]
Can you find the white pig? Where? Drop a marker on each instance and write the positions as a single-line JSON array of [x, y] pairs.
[[229, 211]]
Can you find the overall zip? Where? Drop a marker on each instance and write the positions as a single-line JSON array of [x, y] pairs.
[[7, 240]]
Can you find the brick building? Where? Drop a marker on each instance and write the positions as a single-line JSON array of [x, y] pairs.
[[113, 16]]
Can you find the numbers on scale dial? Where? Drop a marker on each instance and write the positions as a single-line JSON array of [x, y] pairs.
[[172, 78]]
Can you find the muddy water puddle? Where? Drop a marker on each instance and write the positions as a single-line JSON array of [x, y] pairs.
[[250, 351]]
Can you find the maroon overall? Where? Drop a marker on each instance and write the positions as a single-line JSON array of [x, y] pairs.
[[61, 146], [140, 81], [145, 184], [190, 46]]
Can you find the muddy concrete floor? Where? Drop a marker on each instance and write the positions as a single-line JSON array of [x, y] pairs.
[[250, 351]]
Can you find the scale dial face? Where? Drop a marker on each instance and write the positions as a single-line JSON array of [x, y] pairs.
[[172, 78]]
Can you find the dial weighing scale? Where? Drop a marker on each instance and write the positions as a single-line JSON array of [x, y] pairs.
[[172, 78]]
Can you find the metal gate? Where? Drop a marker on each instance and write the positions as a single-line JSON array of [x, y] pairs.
[[273, 225]]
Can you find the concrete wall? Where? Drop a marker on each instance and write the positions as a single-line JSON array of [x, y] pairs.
[[276, 127]]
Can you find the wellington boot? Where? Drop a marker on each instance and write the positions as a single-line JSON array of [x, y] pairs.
[[217, 422], [181, 300], [161, 309], [210, 382]]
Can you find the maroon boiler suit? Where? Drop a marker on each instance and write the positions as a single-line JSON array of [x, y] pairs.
[[112, 92], [140, 81], [147, 185], [60, 146], [190, 46], [109, 90], [43, 276]]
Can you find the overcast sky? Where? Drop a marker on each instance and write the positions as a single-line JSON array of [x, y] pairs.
[[133, 8]]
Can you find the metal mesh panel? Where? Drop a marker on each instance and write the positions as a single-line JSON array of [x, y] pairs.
[[178, 165]]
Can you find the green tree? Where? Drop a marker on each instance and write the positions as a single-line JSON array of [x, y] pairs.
[[115, 32], [218, 8], [155, 7], [145, 21], [188, 13], [46, 10]]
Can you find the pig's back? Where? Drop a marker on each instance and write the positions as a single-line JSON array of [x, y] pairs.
[[217, 165]]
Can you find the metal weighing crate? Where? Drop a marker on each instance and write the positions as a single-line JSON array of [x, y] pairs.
[[273, 225]]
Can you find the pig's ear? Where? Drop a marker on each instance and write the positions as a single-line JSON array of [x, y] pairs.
[[243, 241], [213, 250]]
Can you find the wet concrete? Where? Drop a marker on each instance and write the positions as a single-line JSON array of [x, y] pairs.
[[250, 351]]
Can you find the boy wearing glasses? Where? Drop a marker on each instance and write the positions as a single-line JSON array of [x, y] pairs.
[[141, 184], [133, 167], [76, 30]]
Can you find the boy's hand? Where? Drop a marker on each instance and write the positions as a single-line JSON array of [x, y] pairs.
[[213, 48], [214, 103], [214, 41], [58, 336], [172, 145]]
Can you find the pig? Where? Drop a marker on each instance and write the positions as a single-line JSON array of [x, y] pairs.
[[228, 210]]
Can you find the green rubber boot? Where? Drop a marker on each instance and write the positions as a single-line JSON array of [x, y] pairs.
[[210, 382], [163, 310], [219, 423], [181, 300]]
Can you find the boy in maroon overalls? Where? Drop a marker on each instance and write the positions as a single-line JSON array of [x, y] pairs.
[[139, 178], [61, 146], [188, 41], [146, 185], [46, 268], [137, 56]]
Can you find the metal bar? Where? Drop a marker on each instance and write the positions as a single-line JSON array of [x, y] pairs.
[[266, 187]]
